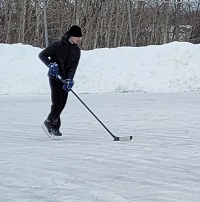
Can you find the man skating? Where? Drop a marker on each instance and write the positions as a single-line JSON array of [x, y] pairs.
[[62, 58]]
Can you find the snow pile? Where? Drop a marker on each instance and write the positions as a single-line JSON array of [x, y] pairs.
[[172, 67]]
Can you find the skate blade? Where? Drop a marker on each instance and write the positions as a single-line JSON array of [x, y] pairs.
[[53, 137]]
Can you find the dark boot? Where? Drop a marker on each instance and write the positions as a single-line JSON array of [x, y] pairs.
[[48, 125], [55, 127], [56, 132]]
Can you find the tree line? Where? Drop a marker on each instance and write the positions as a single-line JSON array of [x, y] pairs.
[[105, 23]]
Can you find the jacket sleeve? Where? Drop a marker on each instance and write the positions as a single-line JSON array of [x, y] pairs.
[[46, 54], [72, 70]]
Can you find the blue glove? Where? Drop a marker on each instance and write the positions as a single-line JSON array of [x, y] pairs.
[[53, 69], [68, 84]]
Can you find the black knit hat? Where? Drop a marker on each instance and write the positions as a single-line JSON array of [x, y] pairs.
[[75, 30]]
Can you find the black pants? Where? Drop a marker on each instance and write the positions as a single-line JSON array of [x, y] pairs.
[[58, 99]]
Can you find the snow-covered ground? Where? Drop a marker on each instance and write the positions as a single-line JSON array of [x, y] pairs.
[[171, 67], [160, 164]]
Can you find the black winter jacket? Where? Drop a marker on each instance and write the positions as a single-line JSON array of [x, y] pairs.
[[65, 54]]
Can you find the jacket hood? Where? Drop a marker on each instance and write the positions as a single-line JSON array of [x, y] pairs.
[[65, 37]]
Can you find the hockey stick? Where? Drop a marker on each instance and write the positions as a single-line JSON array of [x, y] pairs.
[[126, 138]]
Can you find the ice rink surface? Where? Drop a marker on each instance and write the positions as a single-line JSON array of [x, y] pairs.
[[160, 164]]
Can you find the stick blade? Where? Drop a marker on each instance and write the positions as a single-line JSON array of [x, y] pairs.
[[123, 139]]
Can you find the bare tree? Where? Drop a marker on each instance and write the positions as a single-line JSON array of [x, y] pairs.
[[104, 23], [22, 22], [45, 23], [7, 17], [130, 22]]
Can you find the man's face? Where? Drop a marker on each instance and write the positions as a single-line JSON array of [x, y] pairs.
[[75, 40]]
